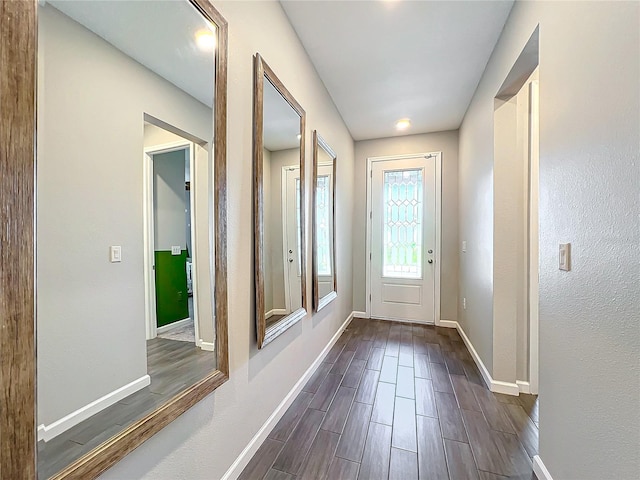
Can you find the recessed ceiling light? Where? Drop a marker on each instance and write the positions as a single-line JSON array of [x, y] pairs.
[[205, 40], [403, 124]]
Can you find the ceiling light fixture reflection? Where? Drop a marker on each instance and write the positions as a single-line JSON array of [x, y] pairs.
[[205, 40], [403, 124], [299, 136]]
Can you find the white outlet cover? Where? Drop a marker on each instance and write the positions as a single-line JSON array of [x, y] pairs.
[[115, 253], [464, 246], [176, 250], [564, 257]]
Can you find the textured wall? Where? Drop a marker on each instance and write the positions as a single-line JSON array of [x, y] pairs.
[[202, 443], [445, 142], [589, 177]]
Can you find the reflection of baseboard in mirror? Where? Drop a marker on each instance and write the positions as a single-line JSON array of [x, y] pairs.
[[324, 223], [279, 214], [131, 179]]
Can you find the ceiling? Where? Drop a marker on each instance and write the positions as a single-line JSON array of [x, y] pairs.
[[160, 35], [386, 60]]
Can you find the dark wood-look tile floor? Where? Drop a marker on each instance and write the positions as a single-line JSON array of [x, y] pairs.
[[399, 401], [172, 365]]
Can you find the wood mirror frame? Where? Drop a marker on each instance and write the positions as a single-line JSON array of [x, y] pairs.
[[262, 70], [321, 302], [18, 67]]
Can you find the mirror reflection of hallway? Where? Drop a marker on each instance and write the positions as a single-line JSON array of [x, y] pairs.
[[101, 322]]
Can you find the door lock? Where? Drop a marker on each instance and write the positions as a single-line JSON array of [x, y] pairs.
[[430, 251], [291, 260], [430, 261]]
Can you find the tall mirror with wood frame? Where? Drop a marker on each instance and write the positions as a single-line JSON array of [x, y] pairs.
[[131, 190], [324, 223], [279, 216]]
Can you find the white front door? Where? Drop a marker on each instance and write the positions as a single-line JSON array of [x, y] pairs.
[[292, 239], [403, 238]]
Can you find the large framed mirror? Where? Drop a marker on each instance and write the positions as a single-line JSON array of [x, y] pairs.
[[325, 284], [279, 205], [131, 305]]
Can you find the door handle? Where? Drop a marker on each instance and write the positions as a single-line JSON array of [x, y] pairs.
[[430, 261], [291, 260]]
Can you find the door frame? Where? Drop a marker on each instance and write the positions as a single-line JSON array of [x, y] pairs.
[[151, 321], [285, 231], [533, 247], [438, 253]]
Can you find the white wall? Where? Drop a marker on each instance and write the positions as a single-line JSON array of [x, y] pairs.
[[203, 442], [169, 200], [445, 142], [589, 177], [90, 313]]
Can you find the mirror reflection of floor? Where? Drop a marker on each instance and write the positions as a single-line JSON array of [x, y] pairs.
[[172, 365], [273, 319]]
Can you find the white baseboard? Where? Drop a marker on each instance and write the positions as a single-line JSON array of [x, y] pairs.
[[447, 323], [359, 314], [540, 470], [275, 311], [494, 385], [524, 387], [47, 432], [208, 346], [174, 325], [245, 456]]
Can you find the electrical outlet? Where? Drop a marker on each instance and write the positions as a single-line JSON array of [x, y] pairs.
[[176, 250], [464, 303], [464, 246]]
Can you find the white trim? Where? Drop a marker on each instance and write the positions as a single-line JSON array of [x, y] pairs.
[[534, 247], [497, 386], [540, 470], [208, 346], [359, 314], [523, 387], [238, 465], [174, 325], [438, 247], [48, 432], [285, 232], [275, 311], [447, 324]]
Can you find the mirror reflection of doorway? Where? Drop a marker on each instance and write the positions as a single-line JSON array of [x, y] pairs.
[[173, 262], [291, 230]]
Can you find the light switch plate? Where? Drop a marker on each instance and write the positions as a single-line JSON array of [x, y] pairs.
[[564, 257], [176, 250], [115, 253], [464, 246]]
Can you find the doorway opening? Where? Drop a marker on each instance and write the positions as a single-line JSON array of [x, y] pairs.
[[403, 238]]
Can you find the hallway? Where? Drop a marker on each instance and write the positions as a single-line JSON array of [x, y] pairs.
[[399, 401]]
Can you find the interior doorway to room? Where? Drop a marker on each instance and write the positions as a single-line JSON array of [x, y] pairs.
[[171, 287], [403, 230], [291, 230], [516, 190]]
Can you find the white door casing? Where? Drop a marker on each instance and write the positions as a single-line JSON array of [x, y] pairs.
[[291, 235], [403, 238]]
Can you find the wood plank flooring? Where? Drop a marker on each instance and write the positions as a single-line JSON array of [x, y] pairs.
[[399, 401], [172, 365]]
